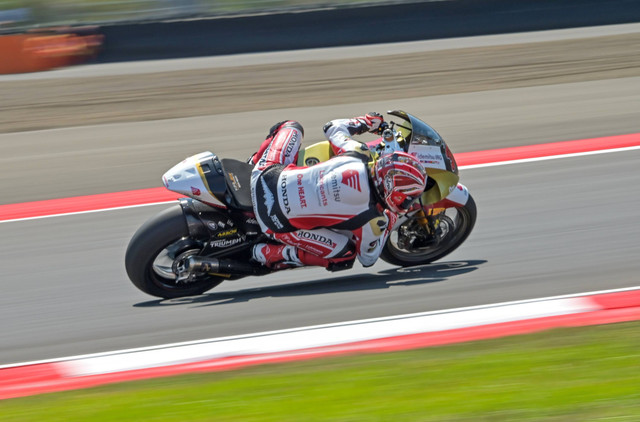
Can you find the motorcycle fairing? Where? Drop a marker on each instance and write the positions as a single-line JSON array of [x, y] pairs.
[[444, 183], [415, 130], [458, 197], [216, 229], [217, 233], [205, 222], [237, 175], [314, 154], [422, 141], [200, 177]]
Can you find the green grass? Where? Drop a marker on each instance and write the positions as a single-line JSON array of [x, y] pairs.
[[579, 374]]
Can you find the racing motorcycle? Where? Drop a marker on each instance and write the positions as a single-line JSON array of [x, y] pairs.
[[206, 238]]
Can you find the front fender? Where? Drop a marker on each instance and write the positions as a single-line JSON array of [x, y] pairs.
[[458, 197]]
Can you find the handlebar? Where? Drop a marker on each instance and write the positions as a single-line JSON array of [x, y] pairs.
[[383, 126]]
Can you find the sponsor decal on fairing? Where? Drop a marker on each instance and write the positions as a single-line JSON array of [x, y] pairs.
[[227, 233], [225, 243], [429, 156], [235, 182]]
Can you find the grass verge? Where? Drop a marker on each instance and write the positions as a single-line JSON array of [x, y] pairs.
[[576, 374]]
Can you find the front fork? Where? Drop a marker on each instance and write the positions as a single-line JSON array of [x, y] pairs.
[[424, 224]]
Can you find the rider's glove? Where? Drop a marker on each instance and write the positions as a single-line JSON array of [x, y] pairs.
[[391, 219], [372, 120]]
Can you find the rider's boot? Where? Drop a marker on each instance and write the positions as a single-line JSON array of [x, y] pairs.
[[276, 256], [280, 257]]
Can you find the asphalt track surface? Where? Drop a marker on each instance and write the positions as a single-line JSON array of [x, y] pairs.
[[545, 228]]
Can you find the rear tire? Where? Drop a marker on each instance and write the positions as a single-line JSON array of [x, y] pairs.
[[464, 222], [167, 231]]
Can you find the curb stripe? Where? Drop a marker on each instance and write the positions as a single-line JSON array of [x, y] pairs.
[[548, 150], [19, 381], [86, 203], [313, 337], [153, 196]]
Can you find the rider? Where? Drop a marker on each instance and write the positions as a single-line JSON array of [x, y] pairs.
[[335, 211]]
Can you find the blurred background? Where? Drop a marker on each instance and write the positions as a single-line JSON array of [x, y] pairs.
[[21, 13]]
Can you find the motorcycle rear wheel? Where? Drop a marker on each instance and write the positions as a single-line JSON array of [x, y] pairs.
[[163, 238], [463, 222]]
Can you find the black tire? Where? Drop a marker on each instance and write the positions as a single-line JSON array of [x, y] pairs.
[[464, 222], [165, 229]]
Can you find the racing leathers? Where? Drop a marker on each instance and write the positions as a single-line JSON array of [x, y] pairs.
[[327, 214]]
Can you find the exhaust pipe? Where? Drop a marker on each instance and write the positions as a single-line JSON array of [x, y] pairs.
[[199, 264]]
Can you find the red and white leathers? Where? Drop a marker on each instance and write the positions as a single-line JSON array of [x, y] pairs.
[[328, 212]]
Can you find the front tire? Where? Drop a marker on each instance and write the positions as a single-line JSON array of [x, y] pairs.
[[165, 236], [462, 224]]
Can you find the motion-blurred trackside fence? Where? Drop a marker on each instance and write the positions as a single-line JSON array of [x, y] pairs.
[[168, 29], [21, 14]]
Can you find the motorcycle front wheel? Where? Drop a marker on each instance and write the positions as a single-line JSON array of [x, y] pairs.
[[151, 254], [454, 228]]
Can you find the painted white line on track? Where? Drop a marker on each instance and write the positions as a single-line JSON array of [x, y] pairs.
[[549, 157], [467, 167]]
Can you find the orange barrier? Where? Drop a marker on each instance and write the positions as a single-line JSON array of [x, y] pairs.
[[35, 52]]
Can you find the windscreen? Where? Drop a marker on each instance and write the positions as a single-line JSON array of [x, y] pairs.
[[424, 142]]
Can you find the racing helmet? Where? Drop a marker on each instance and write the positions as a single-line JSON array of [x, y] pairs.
[[400, 179]]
